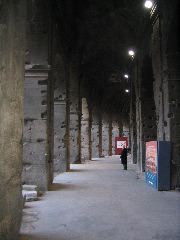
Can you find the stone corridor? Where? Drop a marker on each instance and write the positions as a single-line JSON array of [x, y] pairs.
[[100, 201], [79, 80]]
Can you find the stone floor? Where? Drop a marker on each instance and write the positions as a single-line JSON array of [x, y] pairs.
[[100, 201]]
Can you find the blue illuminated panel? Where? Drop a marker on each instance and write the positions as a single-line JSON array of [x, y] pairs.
[[151, 179]]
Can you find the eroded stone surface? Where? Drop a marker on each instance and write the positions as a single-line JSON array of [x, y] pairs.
[[12, 48]]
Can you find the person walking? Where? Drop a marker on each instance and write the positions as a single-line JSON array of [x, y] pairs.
[[124, 158]]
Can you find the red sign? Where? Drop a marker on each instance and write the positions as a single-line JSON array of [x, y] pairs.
[[120, 143], [151, 157]]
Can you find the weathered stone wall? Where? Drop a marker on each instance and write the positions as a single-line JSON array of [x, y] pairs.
[[12, 49], [174, 112], [95, 132], [74, 112], [159, 85], [142, 109], [85, 144], [149, 128], [139, 135], [38, 104], [60, 161], [133, 125], [120, 123], [110, 136], [115, 133], [100, 136], [171, 73], [105, 135], [35, 168], [165, 54]]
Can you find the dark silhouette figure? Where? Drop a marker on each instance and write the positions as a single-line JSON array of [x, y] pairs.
[[124, 158]]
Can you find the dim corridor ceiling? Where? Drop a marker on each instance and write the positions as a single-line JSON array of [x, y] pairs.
[[100, 32]]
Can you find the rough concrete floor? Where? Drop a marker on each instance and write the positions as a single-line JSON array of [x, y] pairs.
[[100, 201]]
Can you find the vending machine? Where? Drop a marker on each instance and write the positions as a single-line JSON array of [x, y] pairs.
[[158, 154]]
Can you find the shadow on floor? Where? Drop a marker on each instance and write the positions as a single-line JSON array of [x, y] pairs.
[[77, 170], [61, 186], [39, 237]]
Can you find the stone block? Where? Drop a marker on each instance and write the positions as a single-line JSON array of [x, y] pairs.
[[32, 100], [30, 188], [34, 153], [30, 195], [35, 131], [35, 175]]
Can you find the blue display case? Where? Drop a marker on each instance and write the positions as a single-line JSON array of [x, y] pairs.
[[158, 155]]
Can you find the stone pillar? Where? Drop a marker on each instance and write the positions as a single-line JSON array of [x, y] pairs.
[[85, 144], [137, 83], [115, 133], [174, 115], [145, 117], [110, 135], [95, 133], [120, 125], [133, 126], [139, 134], [90, 133], [165, 54], [50, 129], [60, 161], [105, 135], [12, 49], [159, 91], [74, 113], [67, 122], [100, 136], [35, 152], [38, 99]]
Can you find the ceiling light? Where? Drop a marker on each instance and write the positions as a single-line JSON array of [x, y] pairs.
[[131, 53], [126, 76], [148, 4], [127, 91]]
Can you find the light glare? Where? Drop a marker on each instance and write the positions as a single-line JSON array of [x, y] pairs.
[[148, 4], [126, 76], [131, 53], [127, 90]]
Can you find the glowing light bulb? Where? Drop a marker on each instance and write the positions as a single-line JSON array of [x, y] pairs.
[[126, 76], [131, 53], [127, 91], [148, 4]]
